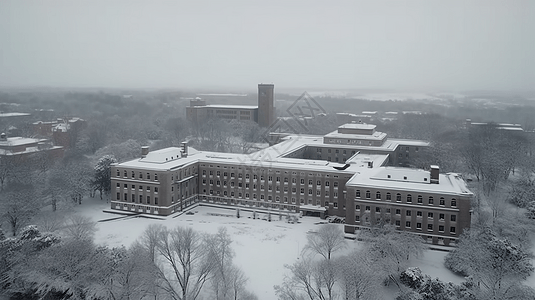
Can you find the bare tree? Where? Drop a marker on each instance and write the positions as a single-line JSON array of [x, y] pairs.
[[390, 249], [18, 206], [358, 277], [185, 265], [309, 279], [79, 227], [328, 239], [102, 175]]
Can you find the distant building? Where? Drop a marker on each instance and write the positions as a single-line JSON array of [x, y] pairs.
[[500, 126], [64, 132], [21, 148], [263, 113], [347, 173]]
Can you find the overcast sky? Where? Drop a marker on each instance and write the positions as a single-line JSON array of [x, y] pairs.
[[413, 45]]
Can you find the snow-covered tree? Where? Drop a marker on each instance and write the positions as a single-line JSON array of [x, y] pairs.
[[102, 178], [183, 261], [390, 249], [18, 206], [495, 264], [79, 227], [328, 239], [358, 277]]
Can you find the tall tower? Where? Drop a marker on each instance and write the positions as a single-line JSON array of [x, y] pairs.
[[266, 114]]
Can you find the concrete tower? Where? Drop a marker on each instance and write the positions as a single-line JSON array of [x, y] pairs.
[[266, 114]]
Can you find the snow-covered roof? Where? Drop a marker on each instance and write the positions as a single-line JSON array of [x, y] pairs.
[[376, 136], [407, 142], [19, 141], [221, 106], [406, 179], [28, 150], [2, 115], [357, 126]]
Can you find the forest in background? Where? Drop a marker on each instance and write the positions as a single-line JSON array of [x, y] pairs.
[[498, 165]]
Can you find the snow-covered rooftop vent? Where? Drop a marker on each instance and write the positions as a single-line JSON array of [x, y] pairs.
[[435, 171], [184, 149], [3, 136], [144, 151]]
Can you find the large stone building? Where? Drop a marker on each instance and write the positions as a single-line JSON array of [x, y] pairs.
[[263, 113], [20, 148], [63, 131], [349, 173]]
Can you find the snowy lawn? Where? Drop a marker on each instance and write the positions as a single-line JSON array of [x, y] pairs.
[[262, 248]]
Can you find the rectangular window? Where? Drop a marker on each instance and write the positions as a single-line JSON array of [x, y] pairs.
[[398, 223], [418, 213], [357, 218], [408, 224], [357, 207], [441, 216], [408, 213], [430, 227], [148, 199], [367, 208], [118, 196], [441, 228], [418, 225], [357, 193], [453, 218], [430, 215], [398, 211], [156, 200], [452, 229]]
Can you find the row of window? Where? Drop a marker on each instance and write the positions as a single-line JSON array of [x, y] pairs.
[[249, 203], [269, 197], [270, 178], [408, 198], [139, 198], [147, 176], [270, 188], [319, 150], [408, 224], [408, 213], [140, 187]]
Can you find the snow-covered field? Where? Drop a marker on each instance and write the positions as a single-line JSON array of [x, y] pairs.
[[262, 248]]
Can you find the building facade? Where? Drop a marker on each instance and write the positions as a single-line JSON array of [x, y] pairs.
[[263, 113], [351, 173]]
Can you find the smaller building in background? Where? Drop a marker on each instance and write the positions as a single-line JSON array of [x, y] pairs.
[[63, 131], [263, 113], [500, 126], [22, 148]]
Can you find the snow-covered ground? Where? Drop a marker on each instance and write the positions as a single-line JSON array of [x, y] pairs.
[[262, 248]]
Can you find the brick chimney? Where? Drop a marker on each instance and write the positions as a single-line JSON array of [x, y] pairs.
[[144, 151], [435, 171]]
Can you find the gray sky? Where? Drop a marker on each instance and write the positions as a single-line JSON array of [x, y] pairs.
[[413, 45]]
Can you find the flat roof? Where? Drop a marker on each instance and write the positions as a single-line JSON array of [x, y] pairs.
[[231, 106], [14, 114], [357, 126], [417, 180], [18, 141], [376, 136]]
